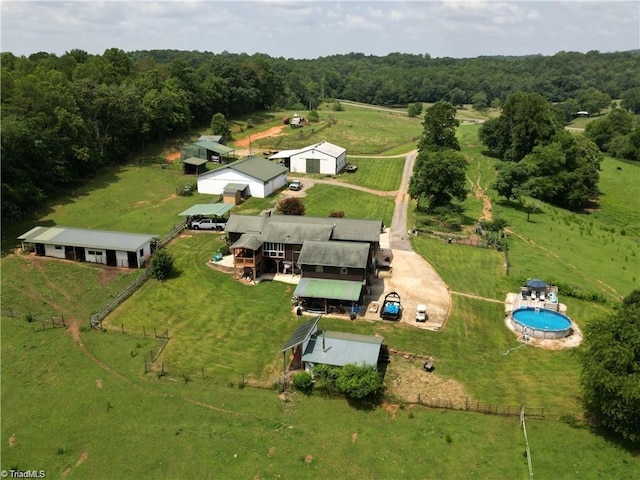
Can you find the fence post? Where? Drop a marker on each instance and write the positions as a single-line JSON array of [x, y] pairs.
[[155, 334], [144, 332], [122, 324], [202, 372]]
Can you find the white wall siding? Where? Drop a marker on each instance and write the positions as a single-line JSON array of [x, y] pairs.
[[214, 184], [52, 251]]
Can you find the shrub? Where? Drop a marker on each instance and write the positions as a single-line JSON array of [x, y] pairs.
[[303, 382], [161, 264], [290, 206], [359, 382], [337, 214]]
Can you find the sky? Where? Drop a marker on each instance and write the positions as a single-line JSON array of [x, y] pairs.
[[318, 28]]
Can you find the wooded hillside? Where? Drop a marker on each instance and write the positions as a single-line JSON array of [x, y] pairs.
[[65, 117]]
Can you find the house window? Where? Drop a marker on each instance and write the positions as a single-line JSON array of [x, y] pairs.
[[274, 249], [319, 269], [58, 247], [142, 252], [344, 270]]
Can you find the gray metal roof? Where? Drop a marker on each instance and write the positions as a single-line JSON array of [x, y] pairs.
[[250, 241], [340, 349], [211, 138], [234, 187], [81, 237], [345, 229], [347, 290], [302, 333], [245, 223], [216, 209], [334, 254], [289, 233]]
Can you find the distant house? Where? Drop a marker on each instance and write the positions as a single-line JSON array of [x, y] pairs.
[[119, 249], [252, 176], [311, 347], [323, 157], [582, 114], [207, 150], [336, 257]]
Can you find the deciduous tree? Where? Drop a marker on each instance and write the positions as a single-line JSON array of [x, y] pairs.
[[440, 125], [439, 177], [610, 376]]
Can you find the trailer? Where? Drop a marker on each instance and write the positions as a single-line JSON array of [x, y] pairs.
[[391, 307]]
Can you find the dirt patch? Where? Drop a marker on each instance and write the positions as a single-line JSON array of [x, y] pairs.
[[173, 157], [391, 408], [12, 441], [141, 203], [82, 458], [109, 274], [408, 381], [272, 450], [272, 132], [308, 459], [99, 382], [354, 437]]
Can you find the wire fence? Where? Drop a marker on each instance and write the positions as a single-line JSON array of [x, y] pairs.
[[38, 323]]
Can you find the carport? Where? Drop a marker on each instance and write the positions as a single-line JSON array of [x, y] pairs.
[[321, 294]]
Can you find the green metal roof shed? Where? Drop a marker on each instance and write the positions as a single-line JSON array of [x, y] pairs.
[[329, 289], [194, 166]]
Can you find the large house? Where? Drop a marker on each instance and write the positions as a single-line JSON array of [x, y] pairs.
[[119, 249], [335, 257], [252, 176], [323, 157]]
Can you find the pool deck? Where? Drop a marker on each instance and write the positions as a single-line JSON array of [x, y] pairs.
[[515, 301]]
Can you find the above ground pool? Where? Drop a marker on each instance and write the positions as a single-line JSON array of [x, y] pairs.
[[541, 323]]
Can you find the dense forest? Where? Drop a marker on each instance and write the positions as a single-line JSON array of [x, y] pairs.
[[65, 117]]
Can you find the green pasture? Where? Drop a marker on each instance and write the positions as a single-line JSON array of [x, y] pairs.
[[73, 415], [361, 131]]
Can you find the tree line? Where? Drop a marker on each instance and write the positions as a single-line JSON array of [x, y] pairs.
[[66, 117]]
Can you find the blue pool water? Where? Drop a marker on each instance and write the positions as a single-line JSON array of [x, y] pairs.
[[541, 319]]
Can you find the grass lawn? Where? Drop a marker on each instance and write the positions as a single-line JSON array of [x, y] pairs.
[[377, 173], [323, 199]]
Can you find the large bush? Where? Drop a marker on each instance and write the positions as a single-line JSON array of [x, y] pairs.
[[161, 264]]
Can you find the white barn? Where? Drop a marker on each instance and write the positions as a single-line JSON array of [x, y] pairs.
[[255, 176], [116, 249], [323, 157]]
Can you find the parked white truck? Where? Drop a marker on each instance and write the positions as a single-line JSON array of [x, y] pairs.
[[208, 224]]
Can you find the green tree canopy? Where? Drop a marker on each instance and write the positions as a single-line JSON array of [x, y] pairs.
[[290, 206], [440, 125], [440, 177], [610, 376], [526, 121], [220, 126]]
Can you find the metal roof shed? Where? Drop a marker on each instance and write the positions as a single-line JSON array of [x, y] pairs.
[[97, 246], [194, 166], [340, 349]]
